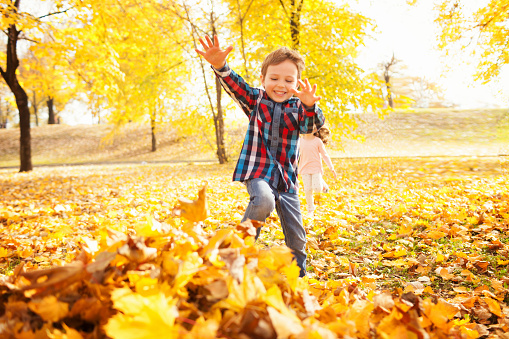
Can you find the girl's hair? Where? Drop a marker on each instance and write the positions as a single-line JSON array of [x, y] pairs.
[[282, 54], [324, 134]]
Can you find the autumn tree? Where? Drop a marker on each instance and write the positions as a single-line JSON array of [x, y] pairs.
[[48, 81], [197, 21], [12, 23], [18, 25], [124, 55], [329, 36], [480, 27], [388, 69]]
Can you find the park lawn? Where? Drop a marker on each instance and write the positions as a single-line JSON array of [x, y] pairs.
[[418, 245]]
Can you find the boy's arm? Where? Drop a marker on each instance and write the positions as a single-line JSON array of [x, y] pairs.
[[311, 117], [237, 88], [243, 94], [213, 53]]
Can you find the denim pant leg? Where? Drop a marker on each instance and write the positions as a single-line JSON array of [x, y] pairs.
[[288, 209], [262, 201]]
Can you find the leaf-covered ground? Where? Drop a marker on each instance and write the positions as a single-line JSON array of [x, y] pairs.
[[399, 248]]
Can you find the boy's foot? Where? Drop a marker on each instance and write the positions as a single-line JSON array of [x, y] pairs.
[[310, 214], [325, 190]]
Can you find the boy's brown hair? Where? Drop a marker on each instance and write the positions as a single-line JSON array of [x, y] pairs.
[[281, 54]]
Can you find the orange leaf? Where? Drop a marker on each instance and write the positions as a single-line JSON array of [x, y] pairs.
[[436, 235], [194, 210], [494, 307], [49, 308]]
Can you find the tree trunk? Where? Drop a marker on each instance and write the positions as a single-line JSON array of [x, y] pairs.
[[2, 119], [219, 124], [35, 109], [10, 77], [51, 111], [218, 118], [387, 79], [296, 9], [153, 130]]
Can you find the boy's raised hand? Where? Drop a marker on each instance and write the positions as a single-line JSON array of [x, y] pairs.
[[213, 53], [307, 93]]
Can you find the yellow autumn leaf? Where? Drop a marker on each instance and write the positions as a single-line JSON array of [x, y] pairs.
[[440, 313], [405, 229], [284, 325], [194, 210], [249, 289], [460, 289], [275, 258], [68, 333], [4, 253], [391, 327], [428, 289], [444, 273], [148, 227], [400, 253], [469, 333], [187, 269], [436, 234], [49, 308], [274, 298], [203, 329], [143, 317]]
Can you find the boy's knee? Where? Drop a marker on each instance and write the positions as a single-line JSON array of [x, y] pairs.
[[264, 202]]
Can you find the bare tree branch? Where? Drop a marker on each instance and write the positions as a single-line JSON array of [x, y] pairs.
[[55, 13]]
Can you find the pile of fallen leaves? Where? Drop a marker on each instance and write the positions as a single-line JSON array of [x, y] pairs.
[[412, 249], [171, 281]]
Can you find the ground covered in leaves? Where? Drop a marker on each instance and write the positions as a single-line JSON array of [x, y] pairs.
[[399, 248]]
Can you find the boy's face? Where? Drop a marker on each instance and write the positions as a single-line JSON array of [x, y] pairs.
[[279, 80]]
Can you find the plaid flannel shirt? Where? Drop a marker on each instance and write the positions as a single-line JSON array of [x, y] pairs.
[[271, 145]]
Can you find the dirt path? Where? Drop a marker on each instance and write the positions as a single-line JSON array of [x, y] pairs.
[[434, 133]]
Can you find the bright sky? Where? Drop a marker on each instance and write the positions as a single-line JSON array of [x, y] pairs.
[[410, 33]]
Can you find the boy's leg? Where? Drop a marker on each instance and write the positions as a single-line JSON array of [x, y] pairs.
[[288, 209], [261, 201], [308, 192]]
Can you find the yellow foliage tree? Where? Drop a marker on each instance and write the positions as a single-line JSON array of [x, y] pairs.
[[125, 54], [18, 24], [484, 25], [328, 35]]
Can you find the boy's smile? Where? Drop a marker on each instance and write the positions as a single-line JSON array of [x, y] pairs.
[[279, 80]]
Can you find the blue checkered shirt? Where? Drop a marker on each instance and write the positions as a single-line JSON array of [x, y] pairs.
[[271, 145]]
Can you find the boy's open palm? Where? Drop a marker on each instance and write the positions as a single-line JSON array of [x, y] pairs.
[[213, 53], [307, 93]]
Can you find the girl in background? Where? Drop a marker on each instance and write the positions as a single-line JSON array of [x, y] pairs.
[[312, 151]]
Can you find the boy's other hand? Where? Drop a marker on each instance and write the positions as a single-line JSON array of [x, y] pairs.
[[307, 94], [213, 53]]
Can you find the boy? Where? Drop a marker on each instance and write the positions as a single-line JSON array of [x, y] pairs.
[[267, 164]]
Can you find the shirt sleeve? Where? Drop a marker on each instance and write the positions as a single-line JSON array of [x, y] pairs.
[[325, 155], [237, 88], [311, 117]]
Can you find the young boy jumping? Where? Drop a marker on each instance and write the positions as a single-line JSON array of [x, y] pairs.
[[267, 164]]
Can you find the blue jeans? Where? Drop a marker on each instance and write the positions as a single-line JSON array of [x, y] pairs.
[[263, 198]]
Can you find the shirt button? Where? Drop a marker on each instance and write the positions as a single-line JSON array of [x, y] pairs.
[[274, 138]]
